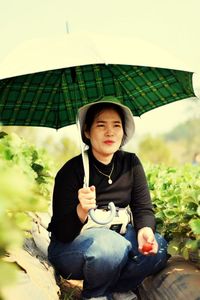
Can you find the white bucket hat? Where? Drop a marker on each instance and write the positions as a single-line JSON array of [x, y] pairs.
[[128, 116]]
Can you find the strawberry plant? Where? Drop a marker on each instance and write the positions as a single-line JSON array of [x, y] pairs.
[[176, 198], [25, 186]]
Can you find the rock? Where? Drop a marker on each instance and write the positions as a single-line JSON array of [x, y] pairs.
[[179, 280], [39, 231], [35, 279]]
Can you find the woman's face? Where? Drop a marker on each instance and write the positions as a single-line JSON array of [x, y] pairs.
[[105, 135]]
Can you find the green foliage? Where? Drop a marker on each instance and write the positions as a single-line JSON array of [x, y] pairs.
[[60, 145], [187, 130], [176, 197], [176, 147], [8, 271], [62, 151], [155, 150], [186, 136], [25, 186]]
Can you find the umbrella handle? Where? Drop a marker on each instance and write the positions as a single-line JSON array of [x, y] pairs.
[[111, 207]]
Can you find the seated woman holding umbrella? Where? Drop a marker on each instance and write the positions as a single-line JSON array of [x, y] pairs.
[[113, 259]]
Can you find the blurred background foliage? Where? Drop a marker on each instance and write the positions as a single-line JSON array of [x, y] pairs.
[[175, 147], [25, 186]]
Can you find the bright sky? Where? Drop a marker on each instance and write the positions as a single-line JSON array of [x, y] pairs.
[[173, 25]]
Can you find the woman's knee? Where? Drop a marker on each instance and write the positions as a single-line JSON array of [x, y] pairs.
[[94, 248], [107, 255], [162, 255], [162, 244], [108, 246]]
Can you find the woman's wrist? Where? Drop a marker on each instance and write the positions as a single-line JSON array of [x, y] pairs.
[[145, 231], [144, 228], [81, 213]]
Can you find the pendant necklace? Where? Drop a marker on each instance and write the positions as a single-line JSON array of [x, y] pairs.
[[109, 176]]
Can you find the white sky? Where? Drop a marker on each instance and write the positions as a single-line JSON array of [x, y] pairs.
[[173, 25]]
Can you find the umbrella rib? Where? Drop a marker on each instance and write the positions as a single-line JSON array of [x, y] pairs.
[[155, 88], [109, 67]]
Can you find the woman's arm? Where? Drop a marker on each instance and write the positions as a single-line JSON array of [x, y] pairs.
[[65, 223], [141, 204]]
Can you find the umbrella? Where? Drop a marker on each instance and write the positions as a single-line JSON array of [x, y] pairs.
[[45, 81]]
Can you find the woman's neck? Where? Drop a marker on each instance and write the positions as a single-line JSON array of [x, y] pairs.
[[104, 159]]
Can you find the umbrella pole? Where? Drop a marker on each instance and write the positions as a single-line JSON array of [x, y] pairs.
[[85, 160], [84, 154]]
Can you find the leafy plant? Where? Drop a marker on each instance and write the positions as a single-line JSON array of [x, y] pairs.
[[155, 150], [176, 197], [25, 186]]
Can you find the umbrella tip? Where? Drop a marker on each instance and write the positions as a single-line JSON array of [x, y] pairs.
[[67, 27], [196, 84]]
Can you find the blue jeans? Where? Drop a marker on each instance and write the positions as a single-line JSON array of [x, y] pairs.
[[106, 261]]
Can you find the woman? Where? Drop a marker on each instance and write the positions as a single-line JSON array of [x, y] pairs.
[[112, 265]]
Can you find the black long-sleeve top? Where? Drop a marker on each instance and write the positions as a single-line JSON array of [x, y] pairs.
[[129, 187]]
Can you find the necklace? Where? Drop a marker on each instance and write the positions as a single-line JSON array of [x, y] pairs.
[[109, 176]]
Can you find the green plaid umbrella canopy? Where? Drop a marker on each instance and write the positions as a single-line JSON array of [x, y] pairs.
[[49, 95]]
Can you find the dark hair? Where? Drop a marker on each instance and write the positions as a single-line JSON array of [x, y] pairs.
[[94, 111]]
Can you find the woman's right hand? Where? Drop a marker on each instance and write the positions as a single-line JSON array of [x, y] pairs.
[[87, 200]]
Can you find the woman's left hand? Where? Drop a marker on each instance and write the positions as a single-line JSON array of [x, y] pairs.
[[147, 244]]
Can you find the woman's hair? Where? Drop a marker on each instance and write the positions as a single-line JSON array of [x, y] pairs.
[[94, 111]]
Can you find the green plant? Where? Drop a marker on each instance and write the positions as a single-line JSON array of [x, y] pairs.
[[176, 198], [155, 150], [25, 186]]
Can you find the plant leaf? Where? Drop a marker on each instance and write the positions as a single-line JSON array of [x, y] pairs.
[[195, 226]]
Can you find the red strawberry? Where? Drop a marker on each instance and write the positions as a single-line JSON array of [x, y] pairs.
[[147, 247]]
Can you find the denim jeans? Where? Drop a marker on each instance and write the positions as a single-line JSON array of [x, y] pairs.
[[105, 260]]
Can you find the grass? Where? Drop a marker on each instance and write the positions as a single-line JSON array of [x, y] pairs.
[[70, 289]]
